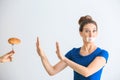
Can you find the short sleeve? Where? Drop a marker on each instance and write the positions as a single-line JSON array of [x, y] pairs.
[[104, 54], [69, 54]]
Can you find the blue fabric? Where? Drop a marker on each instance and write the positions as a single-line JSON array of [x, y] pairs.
[[75, 56]]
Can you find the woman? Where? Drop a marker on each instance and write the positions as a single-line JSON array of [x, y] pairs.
[[7, 57], [87, 61]]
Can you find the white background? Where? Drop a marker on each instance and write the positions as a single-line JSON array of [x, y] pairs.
[[55, 20]]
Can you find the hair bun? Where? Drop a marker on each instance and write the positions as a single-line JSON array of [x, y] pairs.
[[84, 18]]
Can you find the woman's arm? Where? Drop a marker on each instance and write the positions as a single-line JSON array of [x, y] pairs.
[[93, 67], [52, 70]]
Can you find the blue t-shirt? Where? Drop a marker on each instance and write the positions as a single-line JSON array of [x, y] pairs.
[[75, 56]]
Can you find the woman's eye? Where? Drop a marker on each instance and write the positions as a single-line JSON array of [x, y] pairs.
[[94, 30], [86, 30]]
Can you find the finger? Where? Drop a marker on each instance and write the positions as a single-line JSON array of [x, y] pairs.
[[10, 58], [12, 52], [57, 47], [37, 43], [7, 59], [37, 39], [9, 53]]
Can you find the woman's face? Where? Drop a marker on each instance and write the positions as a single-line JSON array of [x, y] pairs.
[[89, 32]]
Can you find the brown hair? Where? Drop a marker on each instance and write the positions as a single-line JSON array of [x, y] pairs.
[[85, 20]]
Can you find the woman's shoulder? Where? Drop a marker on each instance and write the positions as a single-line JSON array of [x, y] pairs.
[[104, 53], [75, 49], [103, 50], [72, 52]]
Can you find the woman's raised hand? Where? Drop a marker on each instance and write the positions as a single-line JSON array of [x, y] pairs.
[[60, 56], [38, 48]]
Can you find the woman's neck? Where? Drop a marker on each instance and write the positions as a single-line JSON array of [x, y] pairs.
[[87, 48]]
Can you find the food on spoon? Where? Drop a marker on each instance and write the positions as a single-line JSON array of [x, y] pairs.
[[14, 40]]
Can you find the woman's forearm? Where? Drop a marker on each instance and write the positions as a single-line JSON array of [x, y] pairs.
[[44, 59], [52, 70], [93, 67], [49, 68], [78, 68]]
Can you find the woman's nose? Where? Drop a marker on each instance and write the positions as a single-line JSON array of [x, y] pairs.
[[90, 34]]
